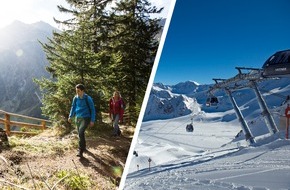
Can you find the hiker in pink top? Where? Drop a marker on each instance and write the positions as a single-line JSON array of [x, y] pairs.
[[117, 107]]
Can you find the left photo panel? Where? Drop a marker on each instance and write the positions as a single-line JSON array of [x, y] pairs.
[[74, 76]]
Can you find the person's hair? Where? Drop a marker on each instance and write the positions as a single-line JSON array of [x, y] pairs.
[[117, 92], [80, 86]]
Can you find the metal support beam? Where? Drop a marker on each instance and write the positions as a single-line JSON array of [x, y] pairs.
[[265, 111], [246, 130], [217, 80]]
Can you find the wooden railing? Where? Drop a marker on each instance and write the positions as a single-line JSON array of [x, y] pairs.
[[31, 122]]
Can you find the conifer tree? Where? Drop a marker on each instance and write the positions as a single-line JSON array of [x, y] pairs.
[[75, 57], [105, 48], [134, 49]]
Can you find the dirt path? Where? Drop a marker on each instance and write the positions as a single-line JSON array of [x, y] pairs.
[[41, 161]]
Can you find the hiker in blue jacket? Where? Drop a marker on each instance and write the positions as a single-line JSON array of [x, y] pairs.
[[84, 110]]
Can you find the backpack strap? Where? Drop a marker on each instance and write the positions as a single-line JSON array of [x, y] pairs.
[[87, 102], [74, 101]]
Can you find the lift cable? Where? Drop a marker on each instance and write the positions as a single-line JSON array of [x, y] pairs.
[[171, 120]]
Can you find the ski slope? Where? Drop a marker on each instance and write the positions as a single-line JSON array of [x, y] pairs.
[[209, 158]]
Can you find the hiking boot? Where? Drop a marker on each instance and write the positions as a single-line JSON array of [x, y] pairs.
[[80, 154], [119, 133]]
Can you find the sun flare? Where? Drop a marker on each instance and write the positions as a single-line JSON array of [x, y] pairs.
[[13, 10]]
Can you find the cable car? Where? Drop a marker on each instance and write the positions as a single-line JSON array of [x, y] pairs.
[[212, 101], [278, 65], [135, 153], [189, 128]]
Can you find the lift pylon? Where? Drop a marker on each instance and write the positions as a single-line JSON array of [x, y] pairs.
[[246, 130], [241, 81], [265, 111]]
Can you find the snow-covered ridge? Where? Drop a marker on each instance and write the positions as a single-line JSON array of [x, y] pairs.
[[163, 98], [164, 102]]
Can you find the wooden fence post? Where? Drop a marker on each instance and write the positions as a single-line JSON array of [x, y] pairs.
[[7, 124], [43, 125]]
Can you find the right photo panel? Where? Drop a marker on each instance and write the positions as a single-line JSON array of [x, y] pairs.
[[217, 115]]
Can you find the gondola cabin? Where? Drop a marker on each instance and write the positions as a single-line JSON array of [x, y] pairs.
[[212, 101], [135, 153], [278, 65], [189, 128]]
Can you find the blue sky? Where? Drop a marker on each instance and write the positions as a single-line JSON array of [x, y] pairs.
[[208, 38]]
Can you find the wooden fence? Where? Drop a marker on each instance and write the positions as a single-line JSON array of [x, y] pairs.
[[32, 123]]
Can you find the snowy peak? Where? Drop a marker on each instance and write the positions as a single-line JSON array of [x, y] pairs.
[[164, 104], [161, 92], [170, 101], [188, 87]]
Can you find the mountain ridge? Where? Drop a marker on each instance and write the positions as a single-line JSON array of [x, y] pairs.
[[22, 59], [245, 98]]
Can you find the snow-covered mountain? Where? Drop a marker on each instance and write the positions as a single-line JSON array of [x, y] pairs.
[[214, 156], [166, 104], [168, 101], [22, 59]]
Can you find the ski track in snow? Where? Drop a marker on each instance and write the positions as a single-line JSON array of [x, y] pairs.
[[225, 164], [189, 175]]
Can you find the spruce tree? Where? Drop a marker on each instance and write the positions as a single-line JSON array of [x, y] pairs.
[[134, 49], [105, 48], [75, 56]]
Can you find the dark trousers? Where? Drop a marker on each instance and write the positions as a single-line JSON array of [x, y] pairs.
[[82, 125]]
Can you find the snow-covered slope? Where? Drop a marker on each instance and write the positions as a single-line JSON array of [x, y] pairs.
[[232, 166], [213, 156]]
